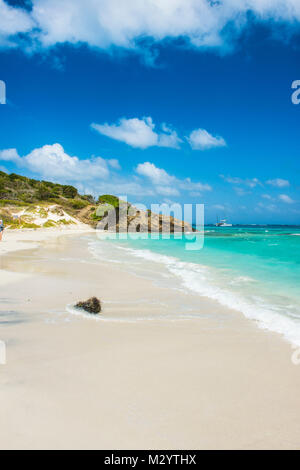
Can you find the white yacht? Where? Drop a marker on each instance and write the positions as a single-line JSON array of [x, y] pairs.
[[223, 223]]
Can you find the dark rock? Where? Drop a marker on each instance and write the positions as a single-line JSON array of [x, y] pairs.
[[92, 305]]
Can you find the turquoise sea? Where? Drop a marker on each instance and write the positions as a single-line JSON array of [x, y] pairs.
[[253, 269]]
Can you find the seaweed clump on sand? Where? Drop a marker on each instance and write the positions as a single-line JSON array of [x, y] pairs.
[[92, 305]]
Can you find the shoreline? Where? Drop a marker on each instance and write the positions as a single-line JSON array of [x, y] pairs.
[[18, 239], [212, 381]]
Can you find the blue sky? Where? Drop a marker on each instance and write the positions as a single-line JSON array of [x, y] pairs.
[[192, 106]]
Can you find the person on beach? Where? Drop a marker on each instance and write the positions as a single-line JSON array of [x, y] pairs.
[[1, 229]]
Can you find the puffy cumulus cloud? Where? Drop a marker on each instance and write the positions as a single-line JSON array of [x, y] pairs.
[[10, 155], [12, 22], [51, 161], [158, 176], [97, 175], [166, 184], [107, 23], [114, 163], [139, 133], [279, 183], [285, 198], [168, 138], [200, 139]]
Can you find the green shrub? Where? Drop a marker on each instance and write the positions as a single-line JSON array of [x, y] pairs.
[[89, 198], [33, 183], [79, 204], [69, 192], [49, 223], [15, 177], [94, 216], [28, 225], [12, 202], [3, 194], [43, 192], [65, 222], [27, 197], [43, 213], [109, 199]]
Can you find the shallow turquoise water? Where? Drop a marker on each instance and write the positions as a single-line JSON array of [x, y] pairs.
[[253, 269]]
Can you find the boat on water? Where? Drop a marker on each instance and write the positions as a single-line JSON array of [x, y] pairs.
[[223, 223]]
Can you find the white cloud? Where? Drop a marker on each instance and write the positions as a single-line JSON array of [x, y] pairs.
[[107, 23], [285, 198], [253, 182], [139, 133], [166, 184], [51, 161], [188, 185], [241, 191], [13, 21], [167, 191], [168, 138], [97, 175], [269, 207], [279, 183], [114, 163], [157, 176], [267, 196], [113, 22], [200, 139], [250, 182], [232, 179], [10, 155]]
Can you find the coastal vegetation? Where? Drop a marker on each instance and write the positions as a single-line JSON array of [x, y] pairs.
[[30, 203], [22, 191], [24, 200]]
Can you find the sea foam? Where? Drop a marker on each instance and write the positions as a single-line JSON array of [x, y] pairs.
[[201, 280]]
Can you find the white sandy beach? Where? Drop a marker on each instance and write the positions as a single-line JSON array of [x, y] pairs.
[[139, 377]]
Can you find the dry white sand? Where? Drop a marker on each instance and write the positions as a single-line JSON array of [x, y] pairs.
[[216, 381]]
